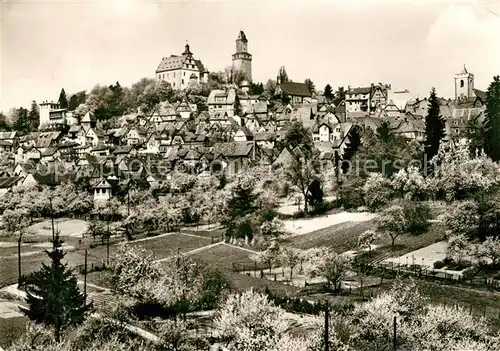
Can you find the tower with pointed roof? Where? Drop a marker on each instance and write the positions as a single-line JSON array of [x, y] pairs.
[[464, 85], [242, 60]]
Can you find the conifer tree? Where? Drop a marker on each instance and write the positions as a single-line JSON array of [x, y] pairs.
[[492, 122], [328, 93], [384, 132], [434, 127], [53, 296], [352, 146], [63, 100]]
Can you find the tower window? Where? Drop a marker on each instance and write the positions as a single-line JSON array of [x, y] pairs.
[[461, 83]]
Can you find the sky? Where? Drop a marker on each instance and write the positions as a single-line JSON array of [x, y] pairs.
[[414, 45]]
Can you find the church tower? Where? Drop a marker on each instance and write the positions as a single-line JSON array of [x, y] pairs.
[[464, 85], [242, 60]]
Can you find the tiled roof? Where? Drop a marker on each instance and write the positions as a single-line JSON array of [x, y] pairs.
[[7, 135], [480, 94], [360, 90], [233, 149], [295, 89]]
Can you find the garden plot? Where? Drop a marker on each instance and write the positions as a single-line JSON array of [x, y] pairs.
[[424, 257], [304, 226], [68, 227], [167, 245]]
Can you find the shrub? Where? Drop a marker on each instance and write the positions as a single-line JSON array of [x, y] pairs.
[[439, 264]]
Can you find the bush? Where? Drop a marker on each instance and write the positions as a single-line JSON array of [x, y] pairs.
[[439, 264], [463, 219], [469, 273]]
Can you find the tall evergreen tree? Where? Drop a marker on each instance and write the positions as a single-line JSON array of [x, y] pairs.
[[384, 132], [241, 207], [34, 116], [328, 92], [434, 126], [492, 122], [63, 100], [53, 296], [339, 96], [352, 146], [282, 75]]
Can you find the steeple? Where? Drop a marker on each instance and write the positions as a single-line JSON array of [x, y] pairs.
[[186, 49]]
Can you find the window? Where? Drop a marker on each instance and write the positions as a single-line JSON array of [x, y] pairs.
[[182, 81], [461, 83], [184, 73]]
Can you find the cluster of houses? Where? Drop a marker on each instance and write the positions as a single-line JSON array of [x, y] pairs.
[[237, 130]]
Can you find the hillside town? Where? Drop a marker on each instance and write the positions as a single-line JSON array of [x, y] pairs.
[[203, 210]]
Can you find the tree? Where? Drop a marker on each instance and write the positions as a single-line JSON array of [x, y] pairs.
[[16, 222], [434, 127], [273, 229], [384, 132], [257, 89], [392, 222], [377, 191], [352, 146], [270, 88], [298, 135], [310, 85], [76, 99], [492, 122], [282, 75], [301, 173], [240, 210], [339, 96], [63, 101], [326, 263], [475, 134], [366, 239], [291, 257], [3, 122], [34, 116], [53, 296], [249, 321], [328, 93]]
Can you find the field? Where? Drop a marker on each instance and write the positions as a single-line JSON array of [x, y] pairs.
[[168, 245], [340, 237]]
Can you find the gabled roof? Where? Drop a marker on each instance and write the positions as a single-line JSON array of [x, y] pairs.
[[233, 149], [480, 94], [295, 89], [360, 90], [8, 135], [8, 182]]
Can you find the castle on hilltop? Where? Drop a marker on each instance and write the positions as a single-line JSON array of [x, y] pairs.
[[180, 70]]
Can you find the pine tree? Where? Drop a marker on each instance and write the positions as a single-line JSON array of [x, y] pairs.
[[328, 92], [282, 75], [384, 132], [352, 146], [63, 100], [492, 122], [434, 126], [53, 296], [34, 116]]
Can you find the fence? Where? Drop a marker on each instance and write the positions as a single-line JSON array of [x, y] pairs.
[[394, 269]]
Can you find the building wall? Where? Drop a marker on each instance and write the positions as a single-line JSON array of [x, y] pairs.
[[464, 85], [243, 62]]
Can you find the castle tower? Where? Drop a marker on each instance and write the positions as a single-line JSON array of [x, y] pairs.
[[242, 60], [464, 85]]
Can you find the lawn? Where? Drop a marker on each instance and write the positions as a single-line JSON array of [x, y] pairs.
[[167, 245], [340, 237], [11, 329], [223, 256]]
